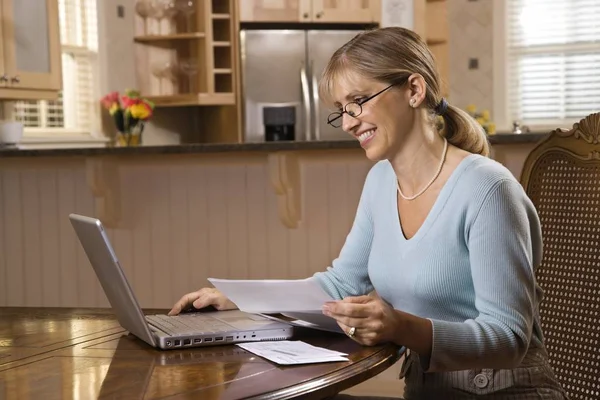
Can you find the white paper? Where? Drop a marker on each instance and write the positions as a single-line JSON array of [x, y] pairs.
[[287, 352], [273, 296]]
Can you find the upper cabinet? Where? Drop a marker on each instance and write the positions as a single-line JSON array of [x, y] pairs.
[[347, 11], [30, 62], [327, 11]]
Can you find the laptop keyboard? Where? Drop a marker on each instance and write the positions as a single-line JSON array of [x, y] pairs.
[[188, 324]]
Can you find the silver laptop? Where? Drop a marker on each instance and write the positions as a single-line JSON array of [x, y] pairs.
[[162, 331]]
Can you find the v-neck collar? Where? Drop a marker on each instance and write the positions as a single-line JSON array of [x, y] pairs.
[[438, 205]]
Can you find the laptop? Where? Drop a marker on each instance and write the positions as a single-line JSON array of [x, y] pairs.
[[160, 330]]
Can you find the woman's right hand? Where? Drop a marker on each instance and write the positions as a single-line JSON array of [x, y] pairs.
[[203, 298]]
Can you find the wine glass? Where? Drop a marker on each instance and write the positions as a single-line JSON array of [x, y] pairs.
[[163, 9], [143, 8], [163, 70], [190, 68], [188, 8]]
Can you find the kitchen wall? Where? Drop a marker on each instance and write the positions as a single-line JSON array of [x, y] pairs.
[[471, 53], [471, 57]]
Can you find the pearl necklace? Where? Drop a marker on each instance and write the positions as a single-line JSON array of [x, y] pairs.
[[439, 170]]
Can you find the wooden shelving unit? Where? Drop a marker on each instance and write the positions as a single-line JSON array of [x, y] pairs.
[[192, 61]]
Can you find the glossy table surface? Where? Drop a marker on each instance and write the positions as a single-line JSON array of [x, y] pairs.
[[61, 353]]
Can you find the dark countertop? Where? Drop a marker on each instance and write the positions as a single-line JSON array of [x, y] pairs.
[[228, 148]]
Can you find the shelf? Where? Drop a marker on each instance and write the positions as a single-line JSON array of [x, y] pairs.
[[220, 16], [433, 42], [222, 70], [198, 99], [164, 38], [221, 44]]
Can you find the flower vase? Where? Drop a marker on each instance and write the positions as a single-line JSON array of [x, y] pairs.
[[132, 138]]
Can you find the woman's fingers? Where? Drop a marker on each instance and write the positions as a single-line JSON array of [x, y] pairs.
[[185, 301]]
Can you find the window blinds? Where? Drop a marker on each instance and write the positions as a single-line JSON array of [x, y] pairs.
[[76, 106], [553, 60]]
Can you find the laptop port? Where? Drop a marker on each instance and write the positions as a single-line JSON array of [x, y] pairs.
[[229, 338], [197, 340], [177, 342], [208, 339], [219, 339], [187, 342]]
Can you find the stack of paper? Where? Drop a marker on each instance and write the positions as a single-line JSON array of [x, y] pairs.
[[292, 352]]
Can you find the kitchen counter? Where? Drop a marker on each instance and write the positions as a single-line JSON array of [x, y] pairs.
[[500, 139]]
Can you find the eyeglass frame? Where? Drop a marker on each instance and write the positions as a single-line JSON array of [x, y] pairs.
[[340, 114]]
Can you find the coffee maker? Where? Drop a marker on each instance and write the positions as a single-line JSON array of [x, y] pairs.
[[279, 122]]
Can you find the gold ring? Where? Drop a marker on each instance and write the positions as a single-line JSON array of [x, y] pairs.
[[351, 332]]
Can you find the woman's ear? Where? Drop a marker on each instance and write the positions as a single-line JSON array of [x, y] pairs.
[[417, 89]]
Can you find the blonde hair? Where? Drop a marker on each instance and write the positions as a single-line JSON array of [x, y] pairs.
[[390, 55]]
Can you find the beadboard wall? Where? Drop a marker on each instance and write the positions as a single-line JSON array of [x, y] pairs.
[[184, 219]]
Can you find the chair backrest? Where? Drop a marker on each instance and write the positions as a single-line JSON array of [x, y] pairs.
[[562, 178]]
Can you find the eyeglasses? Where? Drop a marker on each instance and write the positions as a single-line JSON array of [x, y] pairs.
[[353, 109]]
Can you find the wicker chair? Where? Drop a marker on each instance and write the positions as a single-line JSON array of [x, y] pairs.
[[562, 178]]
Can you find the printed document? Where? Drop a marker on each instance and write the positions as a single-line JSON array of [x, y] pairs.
[[273, 296], [301, 300], [292, 352]]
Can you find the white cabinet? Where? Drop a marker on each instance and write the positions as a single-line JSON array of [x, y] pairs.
[[30, 66], [340, 11]]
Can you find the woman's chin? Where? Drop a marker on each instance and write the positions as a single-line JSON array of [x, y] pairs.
[[374, 153]]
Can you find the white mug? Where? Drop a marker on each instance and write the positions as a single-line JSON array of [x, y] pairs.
[[11, 132]]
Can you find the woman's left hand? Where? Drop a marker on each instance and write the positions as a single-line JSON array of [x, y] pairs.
[[374, 321]]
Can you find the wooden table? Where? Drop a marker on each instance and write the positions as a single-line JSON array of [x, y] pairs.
[[60, 353]]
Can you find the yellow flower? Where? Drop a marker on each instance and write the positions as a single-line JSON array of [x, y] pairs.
[[140, 111], [114, 108], [485, 114], [481, 121], [491, 128], [471, 108]]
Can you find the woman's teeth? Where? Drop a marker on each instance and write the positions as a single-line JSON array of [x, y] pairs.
[[366, 135]]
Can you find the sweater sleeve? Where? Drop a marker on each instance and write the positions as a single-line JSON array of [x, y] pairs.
[[505, 245], [348, 275]]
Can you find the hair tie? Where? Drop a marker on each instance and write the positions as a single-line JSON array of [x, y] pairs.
[[441, 108]]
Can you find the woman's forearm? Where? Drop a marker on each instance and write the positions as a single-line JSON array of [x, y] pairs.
[[415, 333]]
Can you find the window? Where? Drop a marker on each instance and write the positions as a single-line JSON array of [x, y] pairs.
[[75, 111], [552, 61]]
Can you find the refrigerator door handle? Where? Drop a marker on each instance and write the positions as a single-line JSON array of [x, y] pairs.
[[306, 98], [315, 93]]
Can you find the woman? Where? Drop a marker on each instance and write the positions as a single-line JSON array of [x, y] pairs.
[[445, 236]]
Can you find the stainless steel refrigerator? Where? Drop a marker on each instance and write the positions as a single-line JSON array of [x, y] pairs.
[[280, 74]]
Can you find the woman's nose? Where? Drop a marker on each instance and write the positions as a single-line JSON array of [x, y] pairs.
[[349, 122]]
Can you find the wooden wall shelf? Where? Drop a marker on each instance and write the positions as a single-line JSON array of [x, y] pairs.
[[163, 38], [189, 61], [192, 60], [199, 99]]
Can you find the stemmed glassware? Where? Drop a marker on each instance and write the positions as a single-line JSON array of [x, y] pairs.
[[188, 8], [164, 70], [189, 68], [163, 9], [144, 9]]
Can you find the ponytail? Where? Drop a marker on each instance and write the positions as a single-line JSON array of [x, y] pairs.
[[464, 132]]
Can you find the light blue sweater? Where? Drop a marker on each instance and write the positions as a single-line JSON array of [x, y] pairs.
[[469, 269]]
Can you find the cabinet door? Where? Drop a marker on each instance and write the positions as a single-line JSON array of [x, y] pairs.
[[31, 38], [356, 11], [275, 10]]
